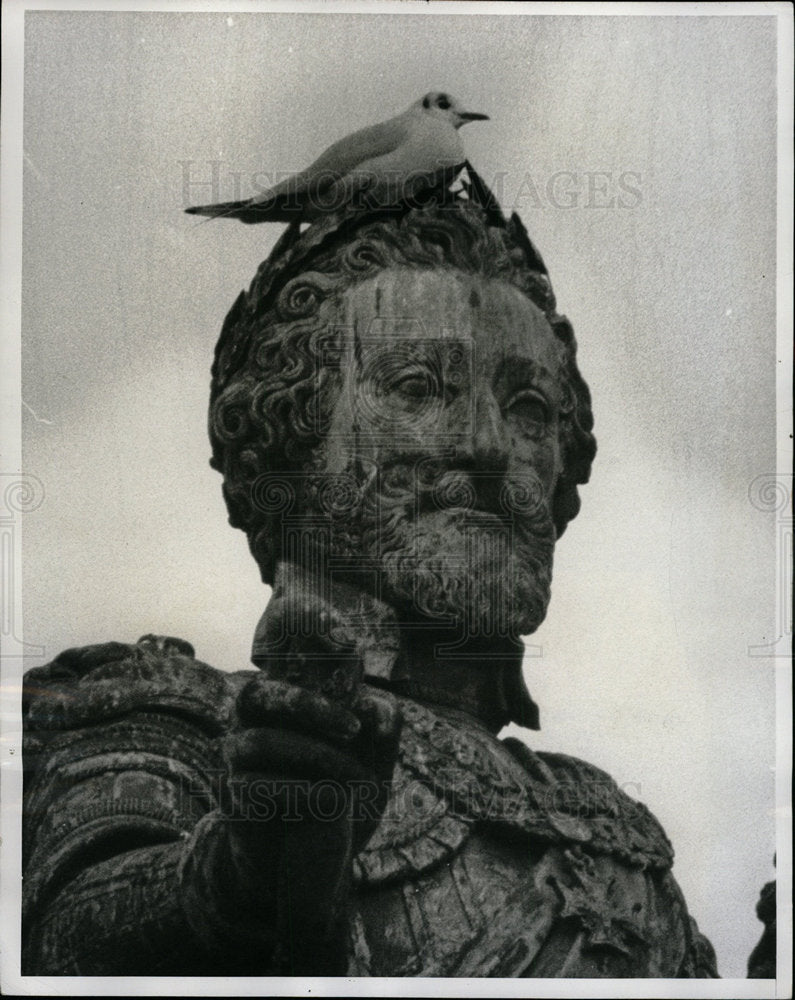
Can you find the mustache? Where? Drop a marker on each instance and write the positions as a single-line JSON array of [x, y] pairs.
[[425, 486]]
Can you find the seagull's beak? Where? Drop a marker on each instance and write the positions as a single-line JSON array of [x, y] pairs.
[[472, 116]]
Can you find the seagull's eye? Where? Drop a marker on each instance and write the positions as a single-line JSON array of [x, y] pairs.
[[443, 103]]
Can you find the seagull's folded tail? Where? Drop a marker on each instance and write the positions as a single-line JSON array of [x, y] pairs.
[[275, 209]]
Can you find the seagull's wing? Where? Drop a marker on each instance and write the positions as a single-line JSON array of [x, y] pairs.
[[345, 155], [290, 198]]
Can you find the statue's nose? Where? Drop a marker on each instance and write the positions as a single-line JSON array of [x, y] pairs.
[[486, 441]]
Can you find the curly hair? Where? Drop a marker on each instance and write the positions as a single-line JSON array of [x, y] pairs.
[[273, 389]]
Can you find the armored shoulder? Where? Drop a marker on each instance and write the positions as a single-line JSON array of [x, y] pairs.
[[509, 862], [590, 808], [119, 751], [94, 684], [453, 775]]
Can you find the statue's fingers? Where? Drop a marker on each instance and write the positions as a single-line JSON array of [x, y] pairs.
[[260, 798], [382, 722], [264, 702], [381, 711], [276, 753]]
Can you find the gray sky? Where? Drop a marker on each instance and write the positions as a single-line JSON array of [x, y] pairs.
[[641, 155]]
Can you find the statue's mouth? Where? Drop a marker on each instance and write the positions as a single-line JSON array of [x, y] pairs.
[[473, 515]]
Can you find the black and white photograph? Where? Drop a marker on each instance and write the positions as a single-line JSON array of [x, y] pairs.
[[396, 499]]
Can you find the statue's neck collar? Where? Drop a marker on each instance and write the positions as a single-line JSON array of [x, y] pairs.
[[477, 675]]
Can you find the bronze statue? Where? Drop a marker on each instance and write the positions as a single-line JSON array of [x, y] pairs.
[[401, 426]]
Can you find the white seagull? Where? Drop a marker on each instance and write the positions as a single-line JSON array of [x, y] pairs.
[[377, 166]]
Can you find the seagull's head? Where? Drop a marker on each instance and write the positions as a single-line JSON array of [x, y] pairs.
[[446, 108]]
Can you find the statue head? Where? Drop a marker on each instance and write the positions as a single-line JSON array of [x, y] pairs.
[[397, 400]]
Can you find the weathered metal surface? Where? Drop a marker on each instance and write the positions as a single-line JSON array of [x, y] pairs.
[[402, 429]]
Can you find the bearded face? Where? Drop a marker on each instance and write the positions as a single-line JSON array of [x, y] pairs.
[[464, 549], [433, 486]]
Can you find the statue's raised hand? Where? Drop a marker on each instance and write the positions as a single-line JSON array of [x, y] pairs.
[[298, 752], [309, 765]]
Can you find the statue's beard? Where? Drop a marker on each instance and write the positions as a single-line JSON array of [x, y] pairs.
[[469, 572], [467, 551]]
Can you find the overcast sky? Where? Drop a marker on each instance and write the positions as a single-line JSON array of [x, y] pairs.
[[641, 155]]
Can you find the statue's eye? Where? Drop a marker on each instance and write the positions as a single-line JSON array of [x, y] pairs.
[[443, 103], [530, 411], [415, 385]]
